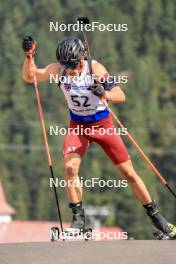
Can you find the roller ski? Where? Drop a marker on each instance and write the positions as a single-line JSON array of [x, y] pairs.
[[77, 230], [163, 229], [158, 234]]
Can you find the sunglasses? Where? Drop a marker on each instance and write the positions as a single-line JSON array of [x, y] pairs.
[[72, 66]]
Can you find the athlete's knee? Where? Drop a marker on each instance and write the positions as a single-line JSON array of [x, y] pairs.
[[129, 174], [71, 169]]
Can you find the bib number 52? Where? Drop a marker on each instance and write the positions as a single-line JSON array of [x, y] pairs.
[[80, 100]]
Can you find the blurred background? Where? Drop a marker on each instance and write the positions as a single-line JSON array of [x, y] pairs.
[[146, 53]]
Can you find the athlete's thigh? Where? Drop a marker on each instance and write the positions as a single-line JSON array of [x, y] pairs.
[[113, 145]]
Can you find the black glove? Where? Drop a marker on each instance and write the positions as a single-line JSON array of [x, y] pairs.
[[97, 89], [29, 46]]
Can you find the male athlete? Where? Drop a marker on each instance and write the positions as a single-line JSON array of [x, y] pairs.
[[83, 97]]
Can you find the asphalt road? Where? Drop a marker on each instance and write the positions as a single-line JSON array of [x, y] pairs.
[[105, 252]]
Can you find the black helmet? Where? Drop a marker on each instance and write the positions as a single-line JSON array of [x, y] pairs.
[[69, 50]]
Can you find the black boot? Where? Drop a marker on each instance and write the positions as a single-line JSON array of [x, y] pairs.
[[159, 221], [78, 222]]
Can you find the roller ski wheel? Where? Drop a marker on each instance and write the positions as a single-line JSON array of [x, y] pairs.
[[161, 236], [54, 234]]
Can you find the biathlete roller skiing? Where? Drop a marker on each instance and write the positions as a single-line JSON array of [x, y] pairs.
[[87, 102]]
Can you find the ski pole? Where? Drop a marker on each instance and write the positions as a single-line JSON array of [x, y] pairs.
[[85, 20], [46, 140]]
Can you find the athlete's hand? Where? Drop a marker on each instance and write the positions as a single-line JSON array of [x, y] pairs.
[[97, 89], [29, 46]]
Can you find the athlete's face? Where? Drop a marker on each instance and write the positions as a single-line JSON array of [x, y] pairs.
[[77, 70]]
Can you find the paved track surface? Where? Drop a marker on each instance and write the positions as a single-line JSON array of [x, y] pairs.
[[105, 252]]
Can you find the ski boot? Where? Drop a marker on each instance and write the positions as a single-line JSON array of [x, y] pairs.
[[77, 226], [164, 230]]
